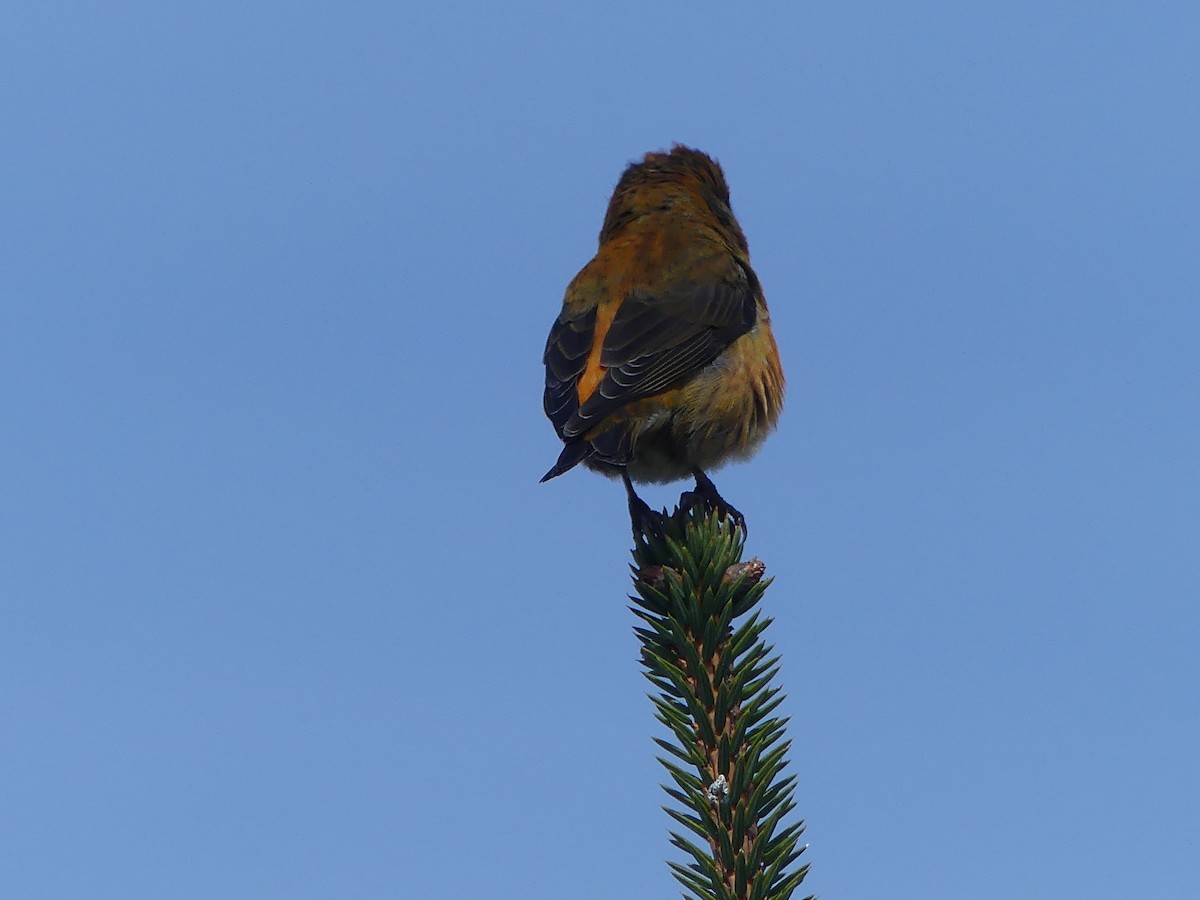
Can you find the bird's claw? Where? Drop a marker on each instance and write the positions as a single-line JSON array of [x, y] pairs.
[[645, 521], [712, 502], [706, 496]]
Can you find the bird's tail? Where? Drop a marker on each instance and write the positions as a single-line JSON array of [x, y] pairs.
[[572, 455]]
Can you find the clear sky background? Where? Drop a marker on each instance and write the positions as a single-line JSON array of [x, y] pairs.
[[284, 612]]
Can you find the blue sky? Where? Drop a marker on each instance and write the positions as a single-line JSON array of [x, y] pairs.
[[284, 612]]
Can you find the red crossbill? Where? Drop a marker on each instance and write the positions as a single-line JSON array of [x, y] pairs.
[[662, 363]]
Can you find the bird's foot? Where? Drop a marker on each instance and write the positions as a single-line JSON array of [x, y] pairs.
[[705, 496], [645, 521]]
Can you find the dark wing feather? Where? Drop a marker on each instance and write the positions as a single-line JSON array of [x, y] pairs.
[[655, 342], [566, 354]]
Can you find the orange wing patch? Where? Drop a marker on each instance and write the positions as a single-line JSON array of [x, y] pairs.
[[593, 372]]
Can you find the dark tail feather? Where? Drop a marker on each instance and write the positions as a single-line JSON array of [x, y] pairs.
[[572, 455]]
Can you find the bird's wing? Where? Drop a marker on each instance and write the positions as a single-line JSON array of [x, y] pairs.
[[566, 356], [656, 340]]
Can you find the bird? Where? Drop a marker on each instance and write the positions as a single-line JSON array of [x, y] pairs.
[[661, 364]]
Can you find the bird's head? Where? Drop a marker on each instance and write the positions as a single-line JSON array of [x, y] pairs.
[[681, 182]]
